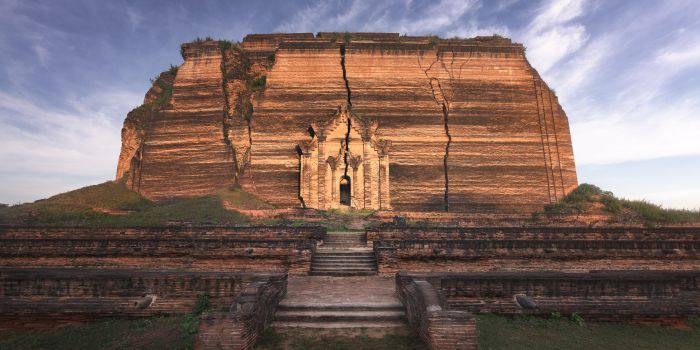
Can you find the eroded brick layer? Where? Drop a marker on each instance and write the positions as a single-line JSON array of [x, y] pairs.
[[264, 248], [472, 126]]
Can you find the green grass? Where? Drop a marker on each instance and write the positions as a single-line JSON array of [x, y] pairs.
[[587, 198], [144, 333], [242, 199], [87, 206], [299, 339], [496, 332]]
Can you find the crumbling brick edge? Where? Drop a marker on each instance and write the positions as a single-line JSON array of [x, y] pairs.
[[440, 329], [250, 314]]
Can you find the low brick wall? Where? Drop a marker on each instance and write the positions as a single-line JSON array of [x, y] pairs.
[[535, 248], [251, 313], [262, 248], [439, 328], [603, 295], [83, 293]]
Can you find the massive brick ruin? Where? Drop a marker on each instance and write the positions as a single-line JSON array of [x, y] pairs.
[[365, 120]]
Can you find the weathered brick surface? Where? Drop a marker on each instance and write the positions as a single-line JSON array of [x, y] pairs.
[[63, 293], [438, 327], [473, 126], [535, 248], [604, 295], [198, 248], [252, 311]]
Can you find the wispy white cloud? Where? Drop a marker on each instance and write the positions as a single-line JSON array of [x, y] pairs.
[[552, 36], [393, 16], [650, 132], [56, 146]]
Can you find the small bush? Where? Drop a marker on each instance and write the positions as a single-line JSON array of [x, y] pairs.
[[225, 45], [173, 70], [259, 83], [190, 323], [576, 319]]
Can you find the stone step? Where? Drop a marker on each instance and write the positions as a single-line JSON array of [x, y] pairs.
[[342, 273], [338, 263], [344, 253], [343, 261], [338, 315], [340, 325], [344, 257], [356, 306], [343, 269]]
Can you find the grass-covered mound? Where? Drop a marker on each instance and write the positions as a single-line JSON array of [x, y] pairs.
[[236, 198], [590, 199], [501, 333], [112, 204], [144, 333]]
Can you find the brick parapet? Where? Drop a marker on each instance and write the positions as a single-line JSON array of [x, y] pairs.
[[439, 328], [251, 313], [603, 295], [540, 248], [281, 248], [84, 292]]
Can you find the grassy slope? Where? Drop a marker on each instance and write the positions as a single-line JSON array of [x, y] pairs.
[[112, 204], [589, 199], [145, 333], [497, 332]]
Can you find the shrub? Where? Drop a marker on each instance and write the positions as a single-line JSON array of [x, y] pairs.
[[576, 319], [259, 83], [190, 323]]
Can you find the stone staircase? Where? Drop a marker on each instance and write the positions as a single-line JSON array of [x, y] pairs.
[[388, 315], [325, 302], [344, 254]]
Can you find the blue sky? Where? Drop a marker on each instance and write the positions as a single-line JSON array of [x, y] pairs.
[[627, 73]]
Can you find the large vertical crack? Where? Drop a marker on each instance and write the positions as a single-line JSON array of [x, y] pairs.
[[349, 104], [345, 75], [441, 101], [443, 98]]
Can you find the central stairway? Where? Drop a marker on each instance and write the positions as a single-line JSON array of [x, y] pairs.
[[344, 254], [356, 300], [336, 303]]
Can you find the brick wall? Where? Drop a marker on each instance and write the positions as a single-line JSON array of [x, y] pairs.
[[604, 295], [439, 328], [84, 293], [535, 248], [194, 248], [252, 312]]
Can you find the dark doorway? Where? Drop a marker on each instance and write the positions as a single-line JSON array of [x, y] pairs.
[[345, 190]]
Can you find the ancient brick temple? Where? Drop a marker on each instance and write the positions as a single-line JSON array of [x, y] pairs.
[[361, 120]]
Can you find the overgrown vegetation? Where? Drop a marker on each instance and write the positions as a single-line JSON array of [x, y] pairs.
[[497, 332], [143, 333], [190, 322], [590, 199], [259, 83], [112, 204]]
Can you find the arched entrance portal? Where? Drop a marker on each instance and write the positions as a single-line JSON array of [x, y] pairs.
[[345, 194]]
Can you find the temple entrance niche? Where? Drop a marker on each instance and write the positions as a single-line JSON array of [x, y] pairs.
[[345, 194], [343, 164]]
